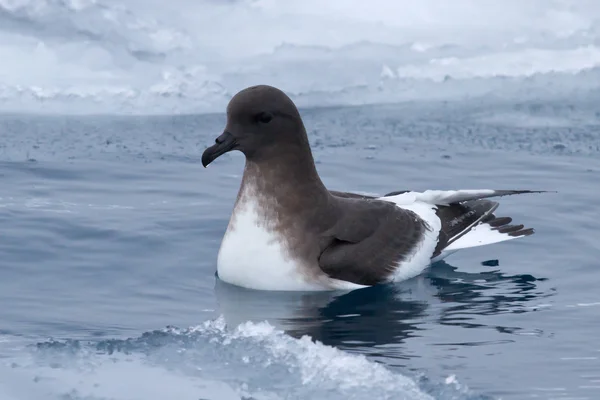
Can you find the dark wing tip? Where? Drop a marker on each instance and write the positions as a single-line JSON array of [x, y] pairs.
[[499, 221], [502, 225], [509, 228], [523, 232], [500, 193]]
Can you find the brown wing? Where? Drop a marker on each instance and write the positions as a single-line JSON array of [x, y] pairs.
[[369, 240]]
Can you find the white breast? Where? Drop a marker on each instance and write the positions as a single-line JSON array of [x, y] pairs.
[[253, 257]]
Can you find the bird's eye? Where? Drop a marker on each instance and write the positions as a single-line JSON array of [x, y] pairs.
[[264, 117]]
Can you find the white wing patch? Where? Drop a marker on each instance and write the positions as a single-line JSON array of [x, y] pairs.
[[478, 236], [445, 197]]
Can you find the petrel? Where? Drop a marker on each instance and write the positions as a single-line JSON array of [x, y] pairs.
[[289, 232]]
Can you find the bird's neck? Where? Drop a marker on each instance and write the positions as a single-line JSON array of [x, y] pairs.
[[288, 180]]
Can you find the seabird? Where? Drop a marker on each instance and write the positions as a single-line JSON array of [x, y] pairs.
[[289, 232]]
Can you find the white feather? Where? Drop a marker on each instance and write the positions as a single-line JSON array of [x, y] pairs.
[[478, 236], [442, 197]]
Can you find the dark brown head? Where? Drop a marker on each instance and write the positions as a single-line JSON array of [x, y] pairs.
[[262, 122]]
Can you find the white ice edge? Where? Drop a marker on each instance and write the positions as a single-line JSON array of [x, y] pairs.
[[134, 56]]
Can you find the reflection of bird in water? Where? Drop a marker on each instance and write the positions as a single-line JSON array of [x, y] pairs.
[[487, 292], [385, 314]]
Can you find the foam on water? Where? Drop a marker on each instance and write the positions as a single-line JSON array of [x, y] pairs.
[[97, 56], [208, 361]]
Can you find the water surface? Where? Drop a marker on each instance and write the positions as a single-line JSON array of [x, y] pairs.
[[109, 231]]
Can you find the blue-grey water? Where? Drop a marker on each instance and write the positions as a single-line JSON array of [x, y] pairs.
[[109, 231]]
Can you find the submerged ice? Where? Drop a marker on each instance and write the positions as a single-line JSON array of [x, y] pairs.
[[134, 56]]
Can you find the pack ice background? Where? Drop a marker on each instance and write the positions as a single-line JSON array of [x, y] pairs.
[[148, 56]]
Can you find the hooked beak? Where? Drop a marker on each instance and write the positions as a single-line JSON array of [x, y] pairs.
[[224, 143]]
